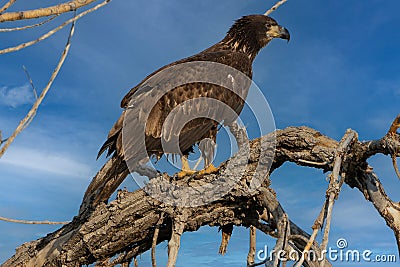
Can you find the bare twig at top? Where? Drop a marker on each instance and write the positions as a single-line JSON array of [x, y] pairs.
[[29, 26], [45, 12], [31, 222], [7, 5], [50, 33], [22, 125], [275, 7]]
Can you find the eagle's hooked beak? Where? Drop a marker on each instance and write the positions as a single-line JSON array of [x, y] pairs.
[[277, 31]]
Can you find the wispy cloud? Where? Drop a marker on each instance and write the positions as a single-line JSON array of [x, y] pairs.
[[16, 96], [39, 160]]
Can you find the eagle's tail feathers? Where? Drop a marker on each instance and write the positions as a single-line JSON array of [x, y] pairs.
[[108, 145]]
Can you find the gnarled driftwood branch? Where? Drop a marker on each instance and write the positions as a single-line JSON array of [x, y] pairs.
[[124, 228]]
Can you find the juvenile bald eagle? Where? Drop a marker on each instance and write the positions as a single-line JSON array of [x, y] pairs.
[[247, 36]]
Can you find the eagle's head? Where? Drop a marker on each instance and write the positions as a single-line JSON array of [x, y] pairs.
[[250, 34]]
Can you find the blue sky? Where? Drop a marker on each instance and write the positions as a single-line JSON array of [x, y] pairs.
[[339, 70]]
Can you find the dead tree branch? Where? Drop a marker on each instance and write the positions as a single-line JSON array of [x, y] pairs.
[[335, 183], [124, 228], [226, 233], [275, 7], [252, 246], [7, 5], [42, 12], [28, 26], [30, 222], [155, 238]]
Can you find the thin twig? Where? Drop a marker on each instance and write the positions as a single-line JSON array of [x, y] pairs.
[[37, 103], [264, 262], [29, 26], [7, 5], [335, 184], [275, 7], [313, 162], [252, 245], [31, 82], [50, 33], [31, 222], [155, 238], [283, 235], [318, 223]]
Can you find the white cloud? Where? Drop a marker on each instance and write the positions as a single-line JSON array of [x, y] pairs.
[[39, 160], [16, 96]]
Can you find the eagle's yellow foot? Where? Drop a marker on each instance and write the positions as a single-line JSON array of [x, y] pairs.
[[210, 169], [185, 168], [183, 173]]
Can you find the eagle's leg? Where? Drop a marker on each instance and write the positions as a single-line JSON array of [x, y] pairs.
[[208, 168], [185, 167], [207, 149]]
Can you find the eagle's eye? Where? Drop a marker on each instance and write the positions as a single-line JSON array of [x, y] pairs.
[[268, 25]]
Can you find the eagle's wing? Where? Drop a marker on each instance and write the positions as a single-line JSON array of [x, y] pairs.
[[148, 105]]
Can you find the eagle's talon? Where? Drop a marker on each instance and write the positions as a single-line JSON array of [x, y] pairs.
[[210, 169], [184, 173]]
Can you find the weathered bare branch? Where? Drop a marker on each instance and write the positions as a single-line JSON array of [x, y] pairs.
[[252, 246], [126, 226], [318, 223], [275, 7], [7, 5], [44, 12], [178, 226], [28, 26], [30, 222], [226, 233], [335, 183], [155, 238]]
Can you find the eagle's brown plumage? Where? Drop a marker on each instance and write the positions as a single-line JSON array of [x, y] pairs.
[[238, 49]]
